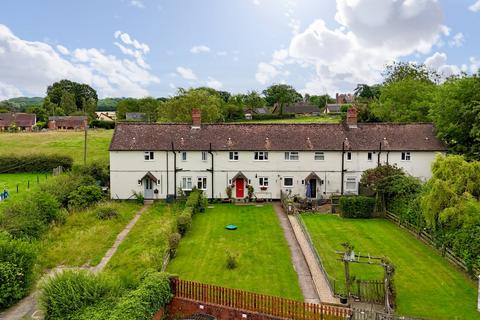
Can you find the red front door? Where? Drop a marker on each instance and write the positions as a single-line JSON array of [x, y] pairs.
[[239, 188]]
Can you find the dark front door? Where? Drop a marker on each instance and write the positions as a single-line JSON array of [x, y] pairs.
[[239, 188], [313, 188]]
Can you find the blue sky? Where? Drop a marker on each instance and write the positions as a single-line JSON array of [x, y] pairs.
[[151, 47]]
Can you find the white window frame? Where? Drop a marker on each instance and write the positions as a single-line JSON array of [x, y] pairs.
[[204, 156], [292, 156], [406, 156], [288, 186], [187, 183], [349, 155], [263, 181], [233, 156], [202, 183], [260, 156], [148, 155], [183, 155], [318, 155], [351, 180], [369, 156]]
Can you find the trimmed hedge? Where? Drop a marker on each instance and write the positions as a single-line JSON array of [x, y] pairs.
[[101, 124], [34, 163], [273, 116], [356, 206]]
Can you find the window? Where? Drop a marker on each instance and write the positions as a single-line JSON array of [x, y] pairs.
[[406, 156], [184, 155], [204, 155], [233, 156], [291, 155], [261, 155], [288, 181], [351, 184], [187, 183], [369, 156], [349, 156], [263, 181], [149, 155], [202, 183], [319, 156]]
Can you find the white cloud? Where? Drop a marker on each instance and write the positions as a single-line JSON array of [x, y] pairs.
[[256, 2], [357, 51], [475, 7], [199, 49], [186, 73], [126, 39], [457, 40], [214, 83], [438, 62], [8, 91], [63, 50], [474, 65], [31, 66], [137, 3]]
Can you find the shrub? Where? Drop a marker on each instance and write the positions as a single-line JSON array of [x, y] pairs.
[[139, 198], [229, 191], [67, 292], [356, 206], [102, 124], [34, 162], [16, 263], [141, 304], [173, 242], [184, 221], [97, 171], [106, 211], [232, 262], [84, 197], [62, 186]]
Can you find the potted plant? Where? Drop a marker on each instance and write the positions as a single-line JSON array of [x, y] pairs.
[[229, 191], [250, 191]]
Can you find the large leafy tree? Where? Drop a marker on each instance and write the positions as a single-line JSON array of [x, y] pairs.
[[320, 101], [281, 94], [149, 106], [456, 114], [253, 100], [367, 92], [65, 92]]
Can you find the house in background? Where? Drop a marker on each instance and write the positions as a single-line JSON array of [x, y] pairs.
[[344, 98], [135, 116], [105, 116], [249, 112], [67, 122], [310, 160], [300, 108], [23, 121], [333, 108]]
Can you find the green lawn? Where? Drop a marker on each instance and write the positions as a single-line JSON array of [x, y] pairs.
[[59, 142], [145, 245], [9, 182], [264, 262], [427, 286], [83, 239], [301, 119]]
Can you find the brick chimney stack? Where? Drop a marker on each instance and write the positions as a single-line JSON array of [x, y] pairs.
[[352, 118], [196, 118]]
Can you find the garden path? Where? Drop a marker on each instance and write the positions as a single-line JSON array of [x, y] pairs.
[[28, 308]]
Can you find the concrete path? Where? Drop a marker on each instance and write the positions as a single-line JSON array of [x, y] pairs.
[[319, 279], [27, 308], [304, 276]]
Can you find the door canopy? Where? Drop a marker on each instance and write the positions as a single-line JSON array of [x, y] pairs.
[[150, 176], [313, 175], [239, 175]]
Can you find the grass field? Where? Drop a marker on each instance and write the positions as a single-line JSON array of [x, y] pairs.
[[59, 142], [302, 119], [427, 286], [83, 239], [9, 182], [264, 262], [145, 245]]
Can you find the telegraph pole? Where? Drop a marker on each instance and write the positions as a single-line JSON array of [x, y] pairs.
[[85, 146]]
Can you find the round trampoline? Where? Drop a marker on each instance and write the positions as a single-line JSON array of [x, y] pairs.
[[231, 227]]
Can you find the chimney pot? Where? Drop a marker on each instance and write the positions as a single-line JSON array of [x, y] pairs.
[[196, 118]]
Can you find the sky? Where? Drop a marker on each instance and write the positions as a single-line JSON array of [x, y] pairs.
[[138, 48]]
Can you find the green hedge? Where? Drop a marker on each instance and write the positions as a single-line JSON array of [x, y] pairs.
[[356, 206], [272, 116], [33, 163], [102, 124], [184, 220]]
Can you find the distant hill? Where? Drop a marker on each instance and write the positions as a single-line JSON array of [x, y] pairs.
[[108, 104], [21, 104]]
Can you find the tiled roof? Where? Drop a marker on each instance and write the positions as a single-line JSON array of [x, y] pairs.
[[293, 137], [334, 107], [20, 119]]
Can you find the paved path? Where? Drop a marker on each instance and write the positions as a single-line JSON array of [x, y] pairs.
[[27, 308], [304, 276]]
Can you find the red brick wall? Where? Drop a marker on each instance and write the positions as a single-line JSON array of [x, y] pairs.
[[184, 307]]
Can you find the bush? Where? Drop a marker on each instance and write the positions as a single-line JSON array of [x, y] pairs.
[[16, 264], [184, 221], [232, 262], [106, 211], [139, 198], [84, 197], [30, 217], [102, 124], [67, 292], [62, 186], [34, 163], [356, 206], [98, 172], [141, 304], [173, 242]]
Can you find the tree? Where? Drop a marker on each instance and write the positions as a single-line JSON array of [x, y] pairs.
[[456, 114], [398, 71], [67, 103], [81, 92], [281, 94], [367, 92], [320, 101], [149, 106], [253, 100], [179, 108]]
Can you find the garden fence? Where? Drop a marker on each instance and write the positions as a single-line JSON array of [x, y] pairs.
[[428, 239], [18, 187], [254, 302]]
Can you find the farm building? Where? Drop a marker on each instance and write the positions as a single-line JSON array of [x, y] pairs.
[[303, 108], [22, 121], [311, 160], [67, 122]]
